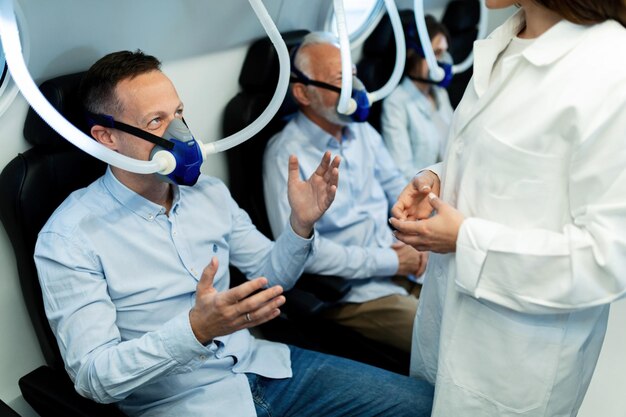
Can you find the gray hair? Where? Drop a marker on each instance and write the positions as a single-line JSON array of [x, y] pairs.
[[302, 61]]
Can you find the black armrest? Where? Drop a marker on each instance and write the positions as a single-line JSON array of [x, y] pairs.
[[51, 393], [301, 303], [6, 411], [327, 288]]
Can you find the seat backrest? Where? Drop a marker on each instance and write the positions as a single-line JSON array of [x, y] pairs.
[[461, 17], [258, 79], [33, 185]]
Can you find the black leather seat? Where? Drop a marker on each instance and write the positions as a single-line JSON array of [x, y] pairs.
[[301, 324], [6, 411], [461, 18], [32, 185]]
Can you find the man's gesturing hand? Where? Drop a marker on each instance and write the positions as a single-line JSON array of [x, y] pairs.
[[220, 313]]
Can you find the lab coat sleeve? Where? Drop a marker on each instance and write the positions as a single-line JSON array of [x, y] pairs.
[[83, 318], [580, 266], [395, 132], [329, 258]]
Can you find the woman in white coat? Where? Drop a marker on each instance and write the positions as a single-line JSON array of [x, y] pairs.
[[530, 225]]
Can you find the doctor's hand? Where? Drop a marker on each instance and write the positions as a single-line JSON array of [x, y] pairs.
[[437, 233], [310, 199], [220, 313], [410, 261], [413, 202]]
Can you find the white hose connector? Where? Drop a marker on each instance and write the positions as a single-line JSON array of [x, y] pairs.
[[482, 32], [436, 73], [396, 75], [10, 37], [346, 104], [279, 95]]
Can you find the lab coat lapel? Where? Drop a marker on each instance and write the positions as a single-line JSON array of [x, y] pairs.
[[486, 52]]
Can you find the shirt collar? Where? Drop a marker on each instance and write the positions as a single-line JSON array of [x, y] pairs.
[[320, 138], [135, 202], [420, 98]]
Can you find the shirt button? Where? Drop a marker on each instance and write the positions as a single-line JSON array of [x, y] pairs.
[[150, 216], [174, 233], [202, 357]]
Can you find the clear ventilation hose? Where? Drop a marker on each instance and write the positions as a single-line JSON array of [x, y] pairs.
[[162, 162], [435, 72], [346, 104], [482, 32], [396, 75], [281, 88]]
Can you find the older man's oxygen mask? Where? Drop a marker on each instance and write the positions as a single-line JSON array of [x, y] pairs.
[[177, 143], [361, 102]]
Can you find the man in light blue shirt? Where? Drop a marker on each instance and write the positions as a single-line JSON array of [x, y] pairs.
[[134, 276], [355, 239]]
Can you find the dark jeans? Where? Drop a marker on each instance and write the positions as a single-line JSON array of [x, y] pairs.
[[328, 386]]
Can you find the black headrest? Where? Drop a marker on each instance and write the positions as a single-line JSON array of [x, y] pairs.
[[461, 15], [261, 67], [62, 93]]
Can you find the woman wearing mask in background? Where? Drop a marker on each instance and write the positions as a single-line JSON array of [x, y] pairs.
[[531, 223], [416, 116]]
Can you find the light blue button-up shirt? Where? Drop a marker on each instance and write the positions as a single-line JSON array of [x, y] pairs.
[[119, 277], [354, 236]]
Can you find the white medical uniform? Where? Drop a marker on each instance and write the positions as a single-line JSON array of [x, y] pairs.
[[513, 322]]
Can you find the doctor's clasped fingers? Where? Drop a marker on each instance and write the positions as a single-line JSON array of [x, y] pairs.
[[412, 203], [437, 233]]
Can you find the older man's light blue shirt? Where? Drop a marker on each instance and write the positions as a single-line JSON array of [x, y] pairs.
[[354, 236], [119, 277]]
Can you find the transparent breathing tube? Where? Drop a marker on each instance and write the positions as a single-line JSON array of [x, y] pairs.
[[435, 72], [346, 104], [396, 75], [279, 95], [482, 32], [162, 162], [10, 37]]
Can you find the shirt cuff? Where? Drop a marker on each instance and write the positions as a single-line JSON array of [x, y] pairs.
[[386, 262], [181, 344], [472, 245]]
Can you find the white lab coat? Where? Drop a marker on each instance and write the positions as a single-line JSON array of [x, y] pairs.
[[513, 322]]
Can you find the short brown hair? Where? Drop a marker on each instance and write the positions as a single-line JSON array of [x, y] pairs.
[[97, 88], [586, 11]]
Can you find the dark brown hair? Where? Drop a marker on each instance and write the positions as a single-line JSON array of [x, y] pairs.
[[433, 27], [97, 88], [588, 11]]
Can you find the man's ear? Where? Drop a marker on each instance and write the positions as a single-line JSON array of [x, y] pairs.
[[105, 136], [301, 94]]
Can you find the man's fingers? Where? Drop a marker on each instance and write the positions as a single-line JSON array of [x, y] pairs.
[[263, 313], [323, 166], [397, 245], [208, 274], [293, 169], [234, 295]]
